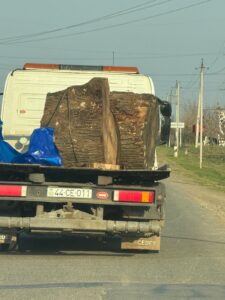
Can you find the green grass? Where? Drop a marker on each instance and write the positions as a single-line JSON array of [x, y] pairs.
[[213, 167]]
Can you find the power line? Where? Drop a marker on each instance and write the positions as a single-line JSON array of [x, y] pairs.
[[219, 54], [171, 74], [120, 24], [217, 72], [127, 57], [159, 56], [119, 13]]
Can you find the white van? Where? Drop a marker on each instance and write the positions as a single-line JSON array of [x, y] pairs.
[[26, 89]]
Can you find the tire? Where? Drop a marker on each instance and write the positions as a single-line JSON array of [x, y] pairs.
[[4, 247]]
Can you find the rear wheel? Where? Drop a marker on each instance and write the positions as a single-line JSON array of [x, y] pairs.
[[4, 247], [8, 247]]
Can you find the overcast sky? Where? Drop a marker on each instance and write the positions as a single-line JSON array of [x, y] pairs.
[[165, 39]]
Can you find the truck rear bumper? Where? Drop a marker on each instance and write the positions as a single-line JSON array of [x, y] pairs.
[[79, 225]]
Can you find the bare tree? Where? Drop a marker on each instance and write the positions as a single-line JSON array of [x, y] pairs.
[[189, 115], [211, 123]]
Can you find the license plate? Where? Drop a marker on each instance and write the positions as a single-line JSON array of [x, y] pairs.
[[69, 192]]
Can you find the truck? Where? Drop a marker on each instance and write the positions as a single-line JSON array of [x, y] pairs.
[[78, 201]]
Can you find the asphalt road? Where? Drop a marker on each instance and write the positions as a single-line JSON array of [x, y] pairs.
[[191, 264]]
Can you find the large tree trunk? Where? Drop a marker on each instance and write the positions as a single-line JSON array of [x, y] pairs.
[[137, 117], [93, 125], [84, 126]]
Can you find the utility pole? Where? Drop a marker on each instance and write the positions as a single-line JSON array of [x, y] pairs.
[[171, 96], [177, 117], [180, 137], [197, 123], [201, 109], [113, 58], [170, 99]]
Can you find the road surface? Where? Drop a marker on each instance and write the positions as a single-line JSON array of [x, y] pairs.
[[191, 264]]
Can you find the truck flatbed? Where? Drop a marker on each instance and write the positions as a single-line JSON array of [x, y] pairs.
[[61, 174]]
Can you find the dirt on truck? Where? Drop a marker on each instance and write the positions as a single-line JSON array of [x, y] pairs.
[[107, 122]]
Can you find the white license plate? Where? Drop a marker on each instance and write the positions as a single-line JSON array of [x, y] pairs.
[[69, 192]]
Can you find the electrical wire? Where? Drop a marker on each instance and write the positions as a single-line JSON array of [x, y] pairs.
[[219, 54], [218, 72], [132, 9], [127, 57], [119, 24]]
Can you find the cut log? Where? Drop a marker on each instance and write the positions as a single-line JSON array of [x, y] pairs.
[[84, 126], [137, 118], [93, 125], [104, 166]]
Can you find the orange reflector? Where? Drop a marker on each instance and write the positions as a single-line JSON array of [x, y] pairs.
[[134, 196], [120, 69], [41, 66], [145, 196]]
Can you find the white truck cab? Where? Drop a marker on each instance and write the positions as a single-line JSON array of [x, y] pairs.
[[26, 89]]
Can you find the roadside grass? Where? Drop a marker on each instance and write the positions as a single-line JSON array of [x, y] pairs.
[[213, 167]]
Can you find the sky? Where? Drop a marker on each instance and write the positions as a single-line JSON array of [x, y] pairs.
[[166, 39]]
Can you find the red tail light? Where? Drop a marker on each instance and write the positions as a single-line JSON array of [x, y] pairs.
[[13, 190], [134, 196]]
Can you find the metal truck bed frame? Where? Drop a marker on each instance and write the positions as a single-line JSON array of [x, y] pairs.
[[62, 174]]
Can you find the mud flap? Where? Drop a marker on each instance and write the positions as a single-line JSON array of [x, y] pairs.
[[141, 243]]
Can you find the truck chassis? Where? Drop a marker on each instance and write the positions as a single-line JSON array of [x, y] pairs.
[[80, 201]]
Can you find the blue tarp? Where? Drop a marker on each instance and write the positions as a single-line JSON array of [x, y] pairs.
[[7, 152], [41, 150]]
